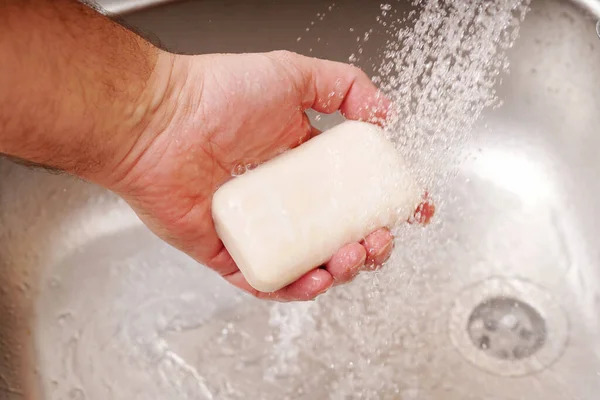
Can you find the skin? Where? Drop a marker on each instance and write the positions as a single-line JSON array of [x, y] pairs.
[[164, 131]]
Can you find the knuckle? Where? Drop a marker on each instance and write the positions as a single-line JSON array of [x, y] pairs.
[[357, 72], [284, 55]]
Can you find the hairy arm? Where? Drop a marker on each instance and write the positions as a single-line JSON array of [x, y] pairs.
[[74, 86], [83, 94]]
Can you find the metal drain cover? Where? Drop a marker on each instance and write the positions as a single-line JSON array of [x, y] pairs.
[[508, 327]]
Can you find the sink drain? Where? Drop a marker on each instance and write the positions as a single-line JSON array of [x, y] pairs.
[[509, 327]]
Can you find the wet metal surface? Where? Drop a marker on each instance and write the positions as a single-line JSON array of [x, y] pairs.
[[90, 298]]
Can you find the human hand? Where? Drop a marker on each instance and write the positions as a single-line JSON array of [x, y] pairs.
[[220, 112], [166, 131]]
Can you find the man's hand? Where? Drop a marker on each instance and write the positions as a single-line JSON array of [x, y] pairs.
[[224, 111], [167, 131]]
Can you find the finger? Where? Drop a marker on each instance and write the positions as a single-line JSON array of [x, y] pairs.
[[222, 263], [347, 263], [332, 86], [307, 287], [379, 246], [424, 212]]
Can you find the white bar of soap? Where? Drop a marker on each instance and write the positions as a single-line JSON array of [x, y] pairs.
[[291, 214]]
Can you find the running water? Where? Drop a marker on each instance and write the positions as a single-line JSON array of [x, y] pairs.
[[379, 337], [441, 72], [384, 335]]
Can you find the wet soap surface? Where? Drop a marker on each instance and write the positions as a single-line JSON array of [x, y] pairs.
[[292, 213]]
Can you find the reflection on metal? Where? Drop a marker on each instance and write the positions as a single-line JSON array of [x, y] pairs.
[[592, 6], [128, 6], [508, 327], [92, 302], [516, 173]]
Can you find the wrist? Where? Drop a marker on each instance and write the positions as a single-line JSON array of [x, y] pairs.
[[151, 118], [139, 121], [85, 106]]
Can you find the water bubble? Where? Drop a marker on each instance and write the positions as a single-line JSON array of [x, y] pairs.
[[238, 170]]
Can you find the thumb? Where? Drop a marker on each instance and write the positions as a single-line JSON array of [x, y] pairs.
[[329, 86]]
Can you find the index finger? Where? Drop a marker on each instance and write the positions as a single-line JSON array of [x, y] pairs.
[[337, 86], [330, 86]]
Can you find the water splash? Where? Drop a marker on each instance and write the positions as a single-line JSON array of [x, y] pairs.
[[441, 72], [376, 336]]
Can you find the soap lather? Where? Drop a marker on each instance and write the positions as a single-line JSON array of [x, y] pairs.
[[292, 213]]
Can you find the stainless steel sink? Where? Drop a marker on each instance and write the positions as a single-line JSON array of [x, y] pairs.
[[503, 304]]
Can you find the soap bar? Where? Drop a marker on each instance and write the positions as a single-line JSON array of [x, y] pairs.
[[292, 213]]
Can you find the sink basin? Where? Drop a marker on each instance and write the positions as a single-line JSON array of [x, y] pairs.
[[498, 299]]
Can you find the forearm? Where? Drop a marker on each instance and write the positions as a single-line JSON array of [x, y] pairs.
[[74, 86]]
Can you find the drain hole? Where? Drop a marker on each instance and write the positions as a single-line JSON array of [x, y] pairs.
[[507, 328], [484, 342]]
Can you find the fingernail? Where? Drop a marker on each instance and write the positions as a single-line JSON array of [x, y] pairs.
[[323, 289], [424, 213], [354, 270], [385, 249], [360, 262]]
